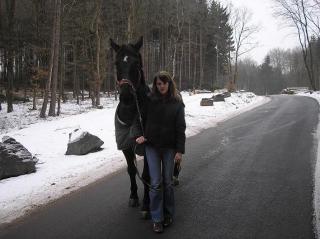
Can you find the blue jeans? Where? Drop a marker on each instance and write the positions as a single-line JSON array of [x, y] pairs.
[[161, 190]]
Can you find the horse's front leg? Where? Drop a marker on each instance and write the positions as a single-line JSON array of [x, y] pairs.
[[130, 157]]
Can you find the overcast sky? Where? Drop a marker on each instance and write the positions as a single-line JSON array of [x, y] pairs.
[[273, 33]]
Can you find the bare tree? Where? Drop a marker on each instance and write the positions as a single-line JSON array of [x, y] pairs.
[[312, 8], [177, 38], [180, 36], [243, 34], [98, 43], [11, 10], [202, 11], [1, 16], [131, 20], [279, 59], [53, 60], [96, 30], [53, 100], [297, 14]]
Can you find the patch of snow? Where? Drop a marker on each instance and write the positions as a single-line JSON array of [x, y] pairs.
[[59, 174], [316, 196]]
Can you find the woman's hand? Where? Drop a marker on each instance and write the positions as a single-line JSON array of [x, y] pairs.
[[178, 157], [141, 140]]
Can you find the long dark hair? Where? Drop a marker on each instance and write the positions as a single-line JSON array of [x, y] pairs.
[[173, 93]]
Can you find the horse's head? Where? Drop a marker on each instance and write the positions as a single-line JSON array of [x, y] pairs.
[[129, 67]]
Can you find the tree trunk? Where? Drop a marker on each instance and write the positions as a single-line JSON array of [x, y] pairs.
[[96, 81], [34, 100], [174, 60], [62, 67], [77, 80], [52, 109], [307, 34], [75, 75], [34, 91], [98, 77], [1, 17], [114, 76], [74, 94], [195, 70], [177, 39], [131, 19], [181, 65], [11, 7], [10, 76], [201, 58], [48, 83], [189, 54], [146, 60]]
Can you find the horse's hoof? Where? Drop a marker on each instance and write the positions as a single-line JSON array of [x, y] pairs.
[[145, 215], [134, 202]]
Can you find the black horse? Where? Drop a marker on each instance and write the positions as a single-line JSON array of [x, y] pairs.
[[133, 94]]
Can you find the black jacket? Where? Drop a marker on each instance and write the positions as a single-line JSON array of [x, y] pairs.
[[165, 124]]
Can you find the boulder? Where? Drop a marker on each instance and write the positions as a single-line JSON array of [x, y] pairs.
[[206, 102], [218, 97], [15, 159], [226, 94], [221, 96], [82, 142]]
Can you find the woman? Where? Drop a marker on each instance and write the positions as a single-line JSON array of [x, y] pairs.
[[165, 143]]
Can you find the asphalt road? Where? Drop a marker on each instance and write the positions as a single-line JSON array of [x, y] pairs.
[[249, 177]]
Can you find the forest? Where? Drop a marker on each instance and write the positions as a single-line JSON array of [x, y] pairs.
[[55, 50]]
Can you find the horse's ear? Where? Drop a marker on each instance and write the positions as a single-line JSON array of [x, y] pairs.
[[139, 43], [114, 45]]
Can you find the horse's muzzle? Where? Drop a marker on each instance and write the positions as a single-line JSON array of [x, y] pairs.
[[124, 81]]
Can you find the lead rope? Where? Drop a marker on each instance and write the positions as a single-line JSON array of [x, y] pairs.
[[134, 149]]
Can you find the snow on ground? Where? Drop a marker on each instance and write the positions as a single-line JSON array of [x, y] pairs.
[[58, 174], [316, 200]]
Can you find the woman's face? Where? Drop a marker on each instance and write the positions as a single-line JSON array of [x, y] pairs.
[[162, 87]]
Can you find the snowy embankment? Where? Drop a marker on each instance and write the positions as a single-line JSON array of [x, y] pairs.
[[58, 174], [316, 200]]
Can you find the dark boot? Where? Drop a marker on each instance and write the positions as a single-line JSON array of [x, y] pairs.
[[157, 227], [167, 221]]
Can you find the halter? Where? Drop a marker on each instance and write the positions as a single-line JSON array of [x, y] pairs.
[[126, 81]]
